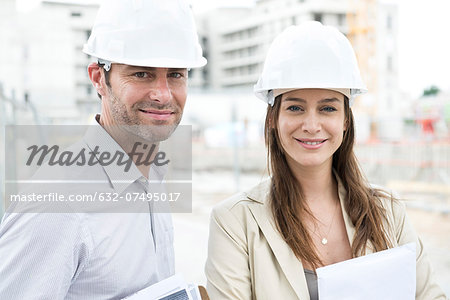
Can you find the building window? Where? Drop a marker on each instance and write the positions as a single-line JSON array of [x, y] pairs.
[[389, 63], [252, 32], [389, 103], [389, 22], [25, 52], [318, 17], [76, 14], [253, 69], [341, 19]]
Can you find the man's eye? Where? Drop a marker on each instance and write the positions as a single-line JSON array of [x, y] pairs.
[[175, 75], [141, 75]]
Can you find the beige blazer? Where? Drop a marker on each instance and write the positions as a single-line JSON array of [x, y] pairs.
[[248, 258]]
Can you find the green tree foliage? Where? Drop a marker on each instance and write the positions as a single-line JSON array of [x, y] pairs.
[[431, 91]]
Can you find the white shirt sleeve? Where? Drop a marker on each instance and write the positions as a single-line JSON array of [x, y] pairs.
[[41, 254]]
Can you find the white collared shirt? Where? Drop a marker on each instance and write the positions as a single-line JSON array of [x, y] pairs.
[[80, 255]]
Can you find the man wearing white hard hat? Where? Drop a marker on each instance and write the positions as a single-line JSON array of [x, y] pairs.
[[143, 50], [316, 209]]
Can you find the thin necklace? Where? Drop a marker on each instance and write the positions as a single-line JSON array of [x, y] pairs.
[[324, 240]]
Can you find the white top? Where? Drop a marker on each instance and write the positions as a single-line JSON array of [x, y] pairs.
[[79, 255]]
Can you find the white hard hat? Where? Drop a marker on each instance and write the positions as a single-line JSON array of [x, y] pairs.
[[309, 55], [150, 33]]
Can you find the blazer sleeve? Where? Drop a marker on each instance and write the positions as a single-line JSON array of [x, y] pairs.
[[227, 266], [426, 285]]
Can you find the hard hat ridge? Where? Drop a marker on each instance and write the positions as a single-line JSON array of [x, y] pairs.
[[146, 33], [309, 55]]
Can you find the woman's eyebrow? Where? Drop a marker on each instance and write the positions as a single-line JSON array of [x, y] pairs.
[[326, 100], [296, 99]]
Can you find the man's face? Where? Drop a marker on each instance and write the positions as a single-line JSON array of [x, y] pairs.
[[147, 102]]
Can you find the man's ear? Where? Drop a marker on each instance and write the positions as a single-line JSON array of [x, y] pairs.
[[96, 75]]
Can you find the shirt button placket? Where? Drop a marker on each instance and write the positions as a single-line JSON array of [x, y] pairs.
[[146, 187]]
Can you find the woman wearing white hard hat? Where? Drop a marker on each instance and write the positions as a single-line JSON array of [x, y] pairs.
[[317, 208]]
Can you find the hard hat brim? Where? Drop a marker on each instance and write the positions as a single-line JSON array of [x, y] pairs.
[[159, 62]]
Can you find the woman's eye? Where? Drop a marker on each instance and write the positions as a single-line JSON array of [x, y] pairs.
[[140, 74], [329, 109], [293, 108]]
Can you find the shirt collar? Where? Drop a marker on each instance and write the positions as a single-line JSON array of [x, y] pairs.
[[99, 140]]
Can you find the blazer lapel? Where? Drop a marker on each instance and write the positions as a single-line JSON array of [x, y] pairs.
[[289, 263]]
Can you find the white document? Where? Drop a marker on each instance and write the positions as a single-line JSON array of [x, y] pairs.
[[387, 275], [174, 287]]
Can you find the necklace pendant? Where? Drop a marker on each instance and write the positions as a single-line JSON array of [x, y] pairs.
[[324, 241]]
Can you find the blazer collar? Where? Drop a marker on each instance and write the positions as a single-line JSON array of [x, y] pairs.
[[289, 263]]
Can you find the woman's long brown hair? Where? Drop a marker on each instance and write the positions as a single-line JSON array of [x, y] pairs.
[[363, 204]]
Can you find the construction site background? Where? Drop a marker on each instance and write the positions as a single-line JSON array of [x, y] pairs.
[[417, 173], [403, 141]]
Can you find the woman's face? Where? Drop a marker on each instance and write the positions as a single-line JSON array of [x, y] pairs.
[[311, 124]]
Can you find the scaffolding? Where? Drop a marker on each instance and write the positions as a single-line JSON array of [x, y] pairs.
[[362, 33]]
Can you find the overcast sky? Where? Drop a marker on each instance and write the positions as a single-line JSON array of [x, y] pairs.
[[424, 44], [424, 41]]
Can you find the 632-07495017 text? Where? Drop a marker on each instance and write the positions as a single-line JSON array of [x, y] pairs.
[[97, 196]]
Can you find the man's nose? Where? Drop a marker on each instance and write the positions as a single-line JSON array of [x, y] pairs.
[[161, 90]]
